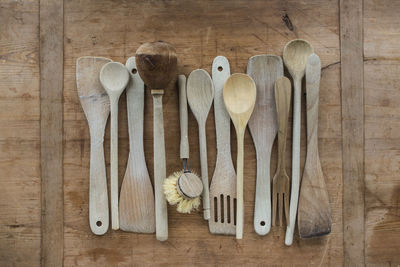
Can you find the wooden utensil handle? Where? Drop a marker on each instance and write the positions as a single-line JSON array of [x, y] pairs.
[[312, 111], [239, 185], [98, 197], [204, 170], [282, 101], [262, 206], [114, 163], [183, 117], [294, 196], [159, 168], [221, 73]]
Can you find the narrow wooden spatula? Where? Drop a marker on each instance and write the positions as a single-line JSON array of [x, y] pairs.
[[314, 215], [96, 105]]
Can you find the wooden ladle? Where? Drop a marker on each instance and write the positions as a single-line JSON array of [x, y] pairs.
[[114, 77], [295, 56], [239, 97], [157, 66]]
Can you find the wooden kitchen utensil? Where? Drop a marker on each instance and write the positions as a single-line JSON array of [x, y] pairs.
[[183, 188], [264, 69], [200, 94], [157, 66], [223, 183], [114, 77], [295, 56], [239, 97], [314, 218], [136, 202], [96, 105], [281, 181]]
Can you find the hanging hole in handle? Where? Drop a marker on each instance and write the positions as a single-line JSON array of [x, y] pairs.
[[220, 68], [99, 223], [134, 71], [262, 223]]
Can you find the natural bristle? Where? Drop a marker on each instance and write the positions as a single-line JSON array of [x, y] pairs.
[[183, 205]]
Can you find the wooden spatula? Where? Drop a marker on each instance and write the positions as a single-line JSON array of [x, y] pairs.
[[96, 105], [223, 183], [314, 215], [264, 69], [136, 203]]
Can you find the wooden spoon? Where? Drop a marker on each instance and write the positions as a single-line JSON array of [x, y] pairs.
[[114, 77], [96, 106], [264, 70], [223, 183], [295, 56], [314, 217], [239, 97], [157, 66], [200, 94], [136, 202]]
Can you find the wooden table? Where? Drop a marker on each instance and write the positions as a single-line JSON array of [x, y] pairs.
[[44, 137]]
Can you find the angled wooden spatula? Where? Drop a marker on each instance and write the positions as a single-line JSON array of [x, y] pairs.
[[136, 204], [314, 215]]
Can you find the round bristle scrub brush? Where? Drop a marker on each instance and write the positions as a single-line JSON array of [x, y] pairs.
[[183, 188]]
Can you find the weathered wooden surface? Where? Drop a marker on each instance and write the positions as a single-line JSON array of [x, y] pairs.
[[200, 31]]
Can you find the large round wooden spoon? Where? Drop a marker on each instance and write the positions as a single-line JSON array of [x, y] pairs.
[[239, 97], [295, 56], [114, 77], [157, 66]]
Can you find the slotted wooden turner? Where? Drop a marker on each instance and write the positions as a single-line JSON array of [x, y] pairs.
[[223, 183]]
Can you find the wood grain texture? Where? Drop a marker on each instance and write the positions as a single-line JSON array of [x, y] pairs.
[[223, 183], [51, 62], [264, 69], [352, 71], [381, 131], [281, 181], [136, 203], [200, 95], [200, 31], [96, 105], [183, 118], [314, 213], [20, 177]]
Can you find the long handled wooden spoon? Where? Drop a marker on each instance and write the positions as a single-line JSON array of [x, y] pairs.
[[157, 66], [223, 183], [136, 202], [200, 94], [314, 218], [295, 56], [281, 181], [114, 77], [239, 97], [96, 105], [264, 69]]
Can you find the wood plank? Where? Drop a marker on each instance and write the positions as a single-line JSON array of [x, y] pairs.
[[19, 134], [200, 30], [51, 130], [351, 44]]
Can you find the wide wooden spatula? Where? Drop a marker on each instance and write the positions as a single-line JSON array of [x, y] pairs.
[[96, 105], [314, 215]]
